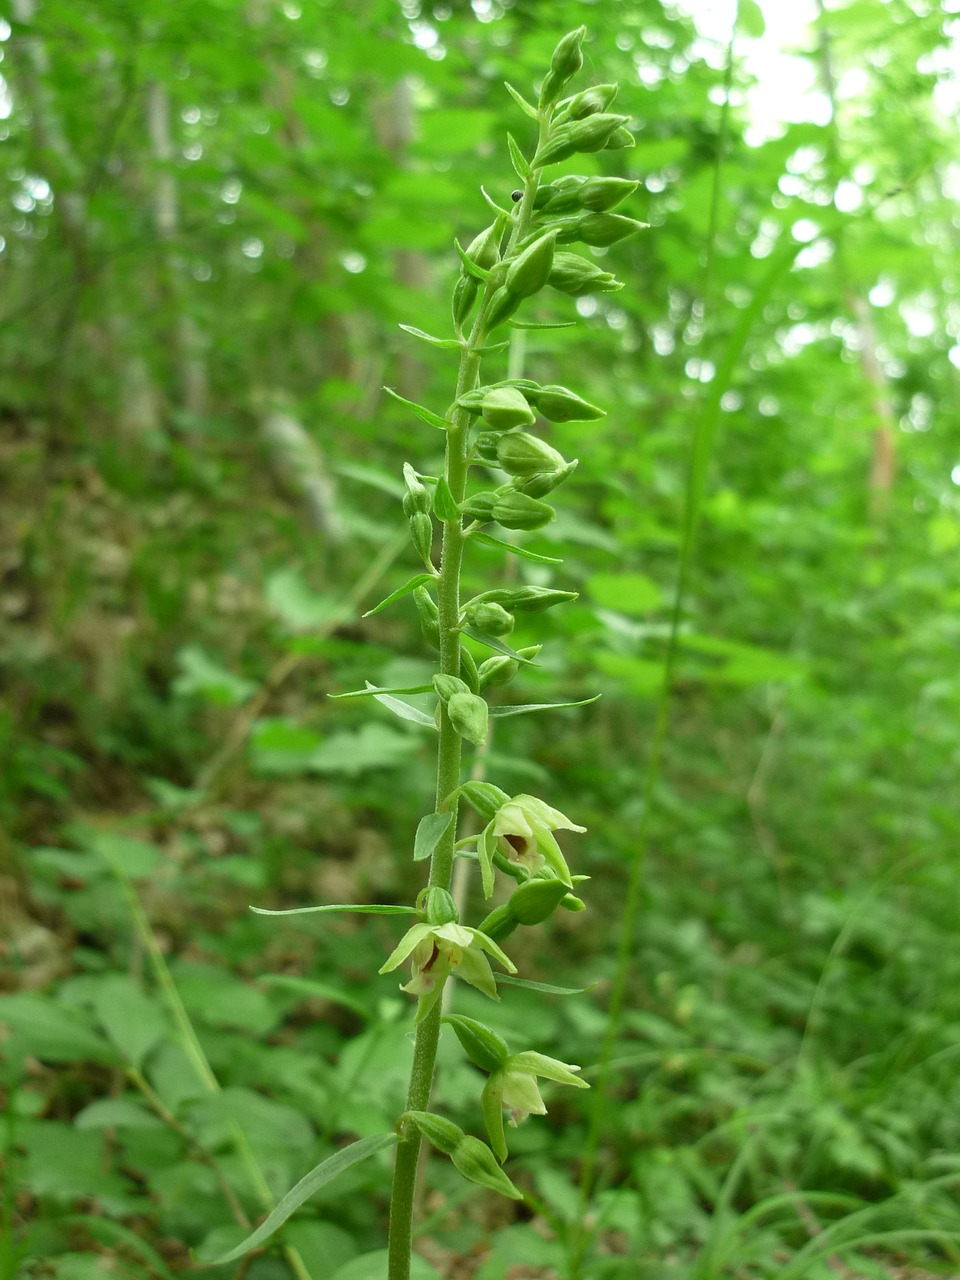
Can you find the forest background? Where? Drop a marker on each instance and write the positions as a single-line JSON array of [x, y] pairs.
[[214, 217]]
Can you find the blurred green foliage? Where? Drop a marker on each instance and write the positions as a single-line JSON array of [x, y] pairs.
[[214, 217]]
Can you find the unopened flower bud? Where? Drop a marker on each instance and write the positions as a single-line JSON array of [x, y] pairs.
[[475, 1161], [544, 482], [575, 275], [503, 408], [498, 670], [517, 511], [500, 923], [447, 686], [421, 531], [464, 296], [620, 140], [438, 907], [484, 250], [416, 499], [591, 134], [479, 507], [600, 194], [566, 62], [537, 899], [528, 273], [520, 454], [429, 616], [558, 404], [485, 447], [502, 306], [561, 195], [591, 101], [486, 798], [468, 715], [480, 1043], [438, 1130], [491, 619], [527, 599], [601, 229]]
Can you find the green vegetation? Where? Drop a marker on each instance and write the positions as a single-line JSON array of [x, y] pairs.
[[216, 221]]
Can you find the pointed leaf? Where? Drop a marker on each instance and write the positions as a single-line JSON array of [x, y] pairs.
[[535, 324], [444, 504], [521, 102], [405, 711], [446, 344], [430, 832], [508, 980], [364, 908], [493, 204], [371, 691], [469, 266], [418, 580], [518, 159], [325, 1172], [498, 646], [426, 415], [487, 540], [521, 709]]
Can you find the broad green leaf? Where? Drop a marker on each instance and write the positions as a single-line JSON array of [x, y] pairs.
[[134, 1022], [364, 908], [639, 676], [124, 855], [373, 1266], [629, 593], [522, 709], [117, 1113], [446, 344], [418, 580], [311, 990], [43, 1028], [374, 746], [487, 540], [324, 1172], [204, 677], [296, 603], [426, 415], [430, 832], [113, 1233]]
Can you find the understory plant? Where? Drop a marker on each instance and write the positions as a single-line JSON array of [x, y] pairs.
[[499, 475]]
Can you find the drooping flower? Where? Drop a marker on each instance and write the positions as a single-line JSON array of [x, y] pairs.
[[522, 829], [436, 951], [515, 1087]]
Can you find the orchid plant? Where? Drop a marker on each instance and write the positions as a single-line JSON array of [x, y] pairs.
[[488, 429]]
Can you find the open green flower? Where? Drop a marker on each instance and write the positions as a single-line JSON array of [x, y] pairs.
[[515, 1087], [436, 951], [522, 829]]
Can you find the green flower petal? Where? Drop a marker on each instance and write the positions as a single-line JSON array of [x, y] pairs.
[[411, 939]]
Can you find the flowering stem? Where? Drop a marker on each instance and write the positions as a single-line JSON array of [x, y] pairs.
[[448, 753]]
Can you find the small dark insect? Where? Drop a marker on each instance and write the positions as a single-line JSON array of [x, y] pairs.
[[516, 195]]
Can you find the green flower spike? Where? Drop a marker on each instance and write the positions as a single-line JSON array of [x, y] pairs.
[[439, 950], [514, 1086], [523, 830]]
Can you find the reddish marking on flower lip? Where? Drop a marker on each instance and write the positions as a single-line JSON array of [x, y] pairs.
[[432, 961], [519, 843]]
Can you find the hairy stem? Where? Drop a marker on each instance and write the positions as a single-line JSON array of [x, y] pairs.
[[449, 750]]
